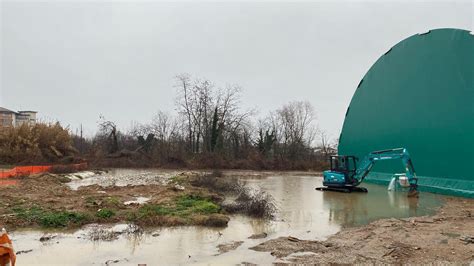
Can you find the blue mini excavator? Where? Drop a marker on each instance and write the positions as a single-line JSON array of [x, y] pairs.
[[345, 175]]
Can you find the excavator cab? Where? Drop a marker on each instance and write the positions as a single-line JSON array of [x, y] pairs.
[[343, 164], [343, 169]]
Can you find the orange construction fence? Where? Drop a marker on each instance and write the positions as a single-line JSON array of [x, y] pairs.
[[35, 169]]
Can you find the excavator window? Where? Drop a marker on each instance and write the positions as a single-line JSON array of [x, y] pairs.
[[351, 163], [338, 164], [343, 164]]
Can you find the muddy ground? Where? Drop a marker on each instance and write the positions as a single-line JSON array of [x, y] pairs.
[[46, 201], [446, 237]]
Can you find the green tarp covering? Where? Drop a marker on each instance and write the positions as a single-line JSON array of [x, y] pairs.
[[419, 95]]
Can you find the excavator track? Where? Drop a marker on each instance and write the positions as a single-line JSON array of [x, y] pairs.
[[343, 189]]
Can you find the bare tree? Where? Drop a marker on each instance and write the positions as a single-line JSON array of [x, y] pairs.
[[195, 103], [296, 123], [138, 129], [325, 142], [108, 129], [335, 145], [211, 113], [185, 104], [163, 126]]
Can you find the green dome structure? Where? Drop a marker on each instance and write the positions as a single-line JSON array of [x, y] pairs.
[[419, 95]]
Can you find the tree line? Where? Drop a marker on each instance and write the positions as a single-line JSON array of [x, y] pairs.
[[211, 130]]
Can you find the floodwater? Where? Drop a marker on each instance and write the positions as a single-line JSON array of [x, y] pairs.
[[303, 212]]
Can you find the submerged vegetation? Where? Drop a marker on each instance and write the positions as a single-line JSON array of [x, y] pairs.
[[253, 202], [256, 203]]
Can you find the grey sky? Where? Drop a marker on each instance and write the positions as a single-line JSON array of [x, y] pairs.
[[72, 61]]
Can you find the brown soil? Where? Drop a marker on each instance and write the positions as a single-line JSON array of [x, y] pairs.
[[50, 193], [442, 238]]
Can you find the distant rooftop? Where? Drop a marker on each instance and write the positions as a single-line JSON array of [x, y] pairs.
[[27, 112], [5, 110]]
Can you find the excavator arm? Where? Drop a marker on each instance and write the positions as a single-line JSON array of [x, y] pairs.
[[391, 154]]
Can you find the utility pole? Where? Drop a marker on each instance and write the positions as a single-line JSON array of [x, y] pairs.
[[81, 141]]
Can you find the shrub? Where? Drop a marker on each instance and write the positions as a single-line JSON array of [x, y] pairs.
[[256, 203], [217, 183], [35, 143]]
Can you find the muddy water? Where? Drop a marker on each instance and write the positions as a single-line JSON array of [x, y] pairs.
[[303, 212]]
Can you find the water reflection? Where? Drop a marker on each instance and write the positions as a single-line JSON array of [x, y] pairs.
[[352, 209]]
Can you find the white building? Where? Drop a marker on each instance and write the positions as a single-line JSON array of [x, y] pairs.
[[9, 118]]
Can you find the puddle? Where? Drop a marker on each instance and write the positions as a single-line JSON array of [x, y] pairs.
[[138, 200], [303, 213]]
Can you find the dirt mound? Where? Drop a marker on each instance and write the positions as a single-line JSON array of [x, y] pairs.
[[439, 239], [226, 247], [284, 246]]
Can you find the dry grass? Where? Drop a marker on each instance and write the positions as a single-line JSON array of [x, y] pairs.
[[37, 143], [218, 183], [63, 169]]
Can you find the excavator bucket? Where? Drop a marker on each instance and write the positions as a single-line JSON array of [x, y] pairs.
[[413, 192]]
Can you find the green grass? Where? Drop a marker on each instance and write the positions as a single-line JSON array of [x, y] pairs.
[[36, 215], [30, 215], [183, 206], [61, 219], [105, 213], [196, 204], [152, 209]]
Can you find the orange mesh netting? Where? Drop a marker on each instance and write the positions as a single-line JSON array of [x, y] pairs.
[[35, 169]]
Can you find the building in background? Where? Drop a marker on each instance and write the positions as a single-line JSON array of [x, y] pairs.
[[9, 118]]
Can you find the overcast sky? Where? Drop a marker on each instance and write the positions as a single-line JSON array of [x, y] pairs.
[[72, 61]]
